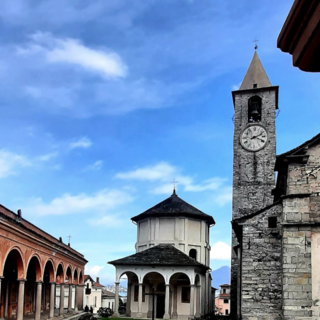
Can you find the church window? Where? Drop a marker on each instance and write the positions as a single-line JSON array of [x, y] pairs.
[[185, 294], [272, 222], [136, 293], [254, 109], [193, 254]]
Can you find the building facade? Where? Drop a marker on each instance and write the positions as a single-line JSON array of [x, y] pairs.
[[92, 293], [276, 230], [222, 301], [35, 268], [170, 271]]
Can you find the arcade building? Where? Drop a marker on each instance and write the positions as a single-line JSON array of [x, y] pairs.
[[38, 273]]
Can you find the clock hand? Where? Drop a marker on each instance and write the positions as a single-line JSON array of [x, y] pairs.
[[257, 135]]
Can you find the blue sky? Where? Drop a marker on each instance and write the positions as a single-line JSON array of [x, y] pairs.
[[104, 103]]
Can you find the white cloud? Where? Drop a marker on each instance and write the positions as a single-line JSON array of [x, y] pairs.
[[72, 51], [47, 157], [83, 142], [164, 172], [10, 163], [93, 271], [96, 166], [220, 251], [161, 171], [101, 201], [224, 196], [107, 221]]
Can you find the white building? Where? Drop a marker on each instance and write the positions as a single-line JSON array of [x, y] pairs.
[[92, 293], [172, 260]]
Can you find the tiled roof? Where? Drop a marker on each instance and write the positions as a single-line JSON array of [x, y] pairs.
[[160, 255], [96, 284], [174, 206], [107, 293]]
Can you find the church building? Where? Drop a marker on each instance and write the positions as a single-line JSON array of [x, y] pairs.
[[275, 268], [170, 272]]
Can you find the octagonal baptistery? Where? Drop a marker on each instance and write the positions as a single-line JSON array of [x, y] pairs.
[[176, 222], [169, 274]]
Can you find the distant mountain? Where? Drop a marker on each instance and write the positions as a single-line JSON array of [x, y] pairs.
[[220, 276]]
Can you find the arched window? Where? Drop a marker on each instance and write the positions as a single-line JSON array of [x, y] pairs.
[[193, 254], [254, 109]]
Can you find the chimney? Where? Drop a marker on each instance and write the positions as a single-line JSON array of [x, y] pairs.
[[97, 280], [19, 213]]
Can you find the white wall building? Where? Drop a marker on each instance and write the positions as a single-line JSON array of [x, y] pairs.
[[171, 260], [92, 293]]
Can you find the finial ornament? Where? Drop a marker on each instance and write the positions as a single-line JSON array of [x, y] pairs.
[[174, 185], [255, 41]]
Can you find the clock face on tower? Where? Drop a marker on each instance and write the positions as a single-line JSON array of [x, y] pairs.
[[254, 137]]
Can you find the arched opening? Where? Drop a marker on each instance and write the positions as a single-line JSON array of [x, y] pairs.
[[181, 291], [75, 277], [254, 109], [80, 277], [68, 290], [193, 254], [127, 280], [30, 293], [48, 278], [154, 282], [12, 271], [60, 288]]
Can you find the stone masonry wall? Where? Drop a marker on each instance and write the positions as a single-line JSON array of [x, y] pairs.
[[261, 267], [301, 240], [305, 178]]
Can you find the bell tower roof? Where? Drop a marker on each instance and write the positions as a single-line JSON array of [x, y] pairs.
[[256, 76]]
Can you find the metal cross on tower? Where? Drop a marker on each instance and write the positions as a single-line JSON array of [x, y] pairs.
[[174, 185], [255, 41]]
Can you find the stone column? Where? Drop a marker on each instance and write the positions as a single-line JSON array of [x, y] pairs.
[[20, 300], [61, 309], [150, 300], [6, 302], [139, 314], [52, 302], [167, 302], [128, 306], [70, 298], [38, 300], [192, 301], [175, 303], [198, 301], [76, 288], [116, 302]]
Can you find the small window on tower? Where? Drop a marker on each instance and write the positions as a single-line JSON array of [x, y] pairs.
[[272, 222], [193, 254], [254, 109], [255, 85]]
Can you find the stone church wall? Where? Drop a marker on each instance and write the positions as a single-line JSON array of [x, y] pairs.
[[261, 267], [303, 178]]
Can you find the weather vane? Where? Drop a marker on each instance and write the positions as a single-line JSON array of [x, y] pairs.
[[255, 46]]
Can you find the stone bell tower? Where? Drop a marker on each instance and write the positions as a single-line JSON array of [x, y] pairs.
[[254, 153]]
